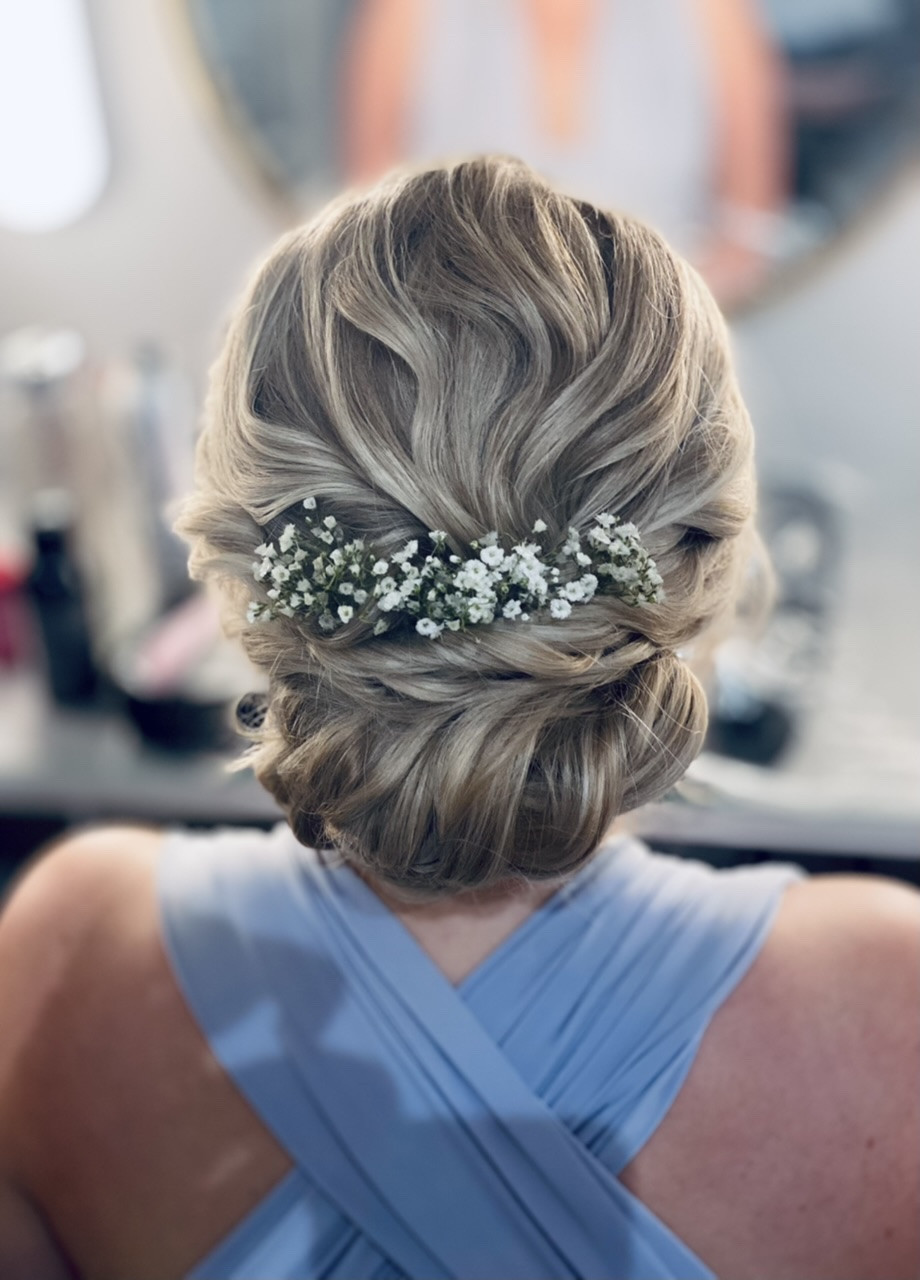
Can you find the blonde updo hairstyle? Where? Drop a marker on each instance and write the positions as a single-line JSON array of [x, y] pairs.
[[466, 349]]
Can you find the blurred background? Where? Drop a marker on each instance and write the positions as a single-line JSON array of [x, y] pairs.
[[149, 154]]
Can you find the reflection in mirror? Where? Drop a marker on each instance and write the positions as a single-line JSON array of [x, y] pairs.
[[54, 156], [751, 132]]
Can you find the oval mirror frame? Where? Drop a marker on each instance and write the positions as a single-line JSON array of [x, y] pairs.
[[823, 80]]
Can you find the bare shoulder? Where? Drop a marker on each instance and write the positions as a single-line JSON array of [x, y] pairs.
[[794, 1147], [58, 933], [65, 908], [75, 882], [847, 944], [77, 932], [74, 918], [113, 1109]]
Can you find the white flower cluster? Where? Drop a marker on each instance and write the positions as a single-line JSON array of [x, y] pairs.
[[317, 573]]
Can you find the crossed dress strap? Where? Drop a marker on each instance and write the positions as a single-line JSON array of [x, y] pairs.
[[386, 1085]]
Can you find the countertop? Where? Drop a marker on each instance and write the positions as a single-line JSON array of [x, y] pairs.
[[825, 797]]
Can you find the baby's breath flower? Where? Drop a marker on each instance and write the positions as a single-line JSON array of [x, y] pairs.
[[408, 551], [572, 545], [442, 590]]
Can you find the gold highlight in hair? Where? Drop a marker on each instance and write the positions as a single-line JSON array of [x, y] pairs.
[[465, 349]]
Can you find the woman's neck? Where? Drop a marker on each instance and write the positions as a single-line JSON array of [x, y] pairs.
[[459, 931]]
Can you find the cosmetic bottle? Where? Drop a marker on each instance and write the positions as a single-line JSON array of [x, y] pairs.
[[58, 600]]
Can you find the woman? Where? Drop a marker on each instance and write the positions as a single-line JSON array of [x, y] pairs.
[[475, 474], [673, 110]]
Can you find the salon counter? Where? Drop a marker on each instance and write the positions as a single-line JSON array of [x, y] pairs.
[[826, 798]]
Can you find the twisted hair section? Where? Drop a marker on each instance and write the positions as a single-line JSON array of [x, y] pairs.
[[466, 349]]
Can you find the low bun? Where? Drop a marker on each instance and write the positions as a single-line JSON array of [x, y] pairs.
[[464, 349], [440, 770]]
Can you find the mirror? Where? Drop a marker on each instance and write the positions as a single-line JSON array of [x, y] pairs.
[[751, 132]]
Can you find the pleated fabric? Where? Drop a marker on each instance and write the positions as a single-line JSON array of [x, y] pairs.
[[476, 1131]]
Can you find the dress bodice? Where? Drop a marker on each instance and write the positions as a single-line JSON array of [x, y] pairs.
[[438, 1131], [646, 140]]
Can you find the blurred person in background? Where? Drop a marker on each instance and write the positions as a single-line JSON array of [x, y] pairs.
[[450, 1018], [673, 110]]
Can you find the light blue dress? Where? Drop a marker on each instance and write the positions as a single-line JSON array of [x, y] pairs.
[[436, 1131]]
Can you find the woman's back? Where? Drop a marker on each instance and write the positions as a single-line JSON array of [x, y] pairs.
[[471, 1131], [772, 1161]]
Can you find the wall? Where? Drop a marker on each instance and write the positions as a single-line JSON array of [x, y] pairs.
[[832, 377], [167, 246], [831, 371]]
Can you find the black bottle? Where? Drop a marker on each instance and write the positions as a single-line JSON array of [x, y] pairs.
[[57, 596]]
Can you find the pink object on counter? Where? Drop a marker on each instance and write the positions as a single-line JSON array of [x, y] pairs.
[[174, 644], [17, 640]]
